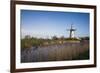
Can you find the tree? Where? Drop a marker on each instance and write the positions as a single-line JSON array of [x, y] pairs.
[[27, 36], [54, 38]]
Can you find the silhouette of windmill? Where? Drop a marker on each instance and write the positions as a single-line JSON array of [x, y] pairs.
[[72, 32]]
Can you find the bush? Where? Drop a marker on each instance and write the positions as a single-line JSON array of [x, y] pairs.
[[29, 42], [26, 43], [73, 39]]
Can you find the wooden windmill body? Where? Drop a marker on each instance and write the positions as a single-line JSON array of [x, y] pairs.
[[71, 32]]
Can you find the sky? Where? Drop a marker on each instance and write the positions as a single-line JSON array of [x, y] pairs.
[[46, 24]]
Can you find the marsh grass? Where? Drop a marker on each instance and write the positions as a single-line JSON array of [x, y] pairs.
[[56, 52]]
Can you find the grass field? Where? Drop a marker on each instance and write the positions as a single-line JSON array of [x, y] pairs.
[[56, 52]]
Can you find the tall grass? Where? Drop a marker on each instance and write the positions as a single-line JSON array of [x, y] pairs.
[[57, 52]]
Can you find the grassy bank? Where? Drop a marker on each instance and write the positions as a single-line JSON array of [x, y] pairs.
[[28, 42]]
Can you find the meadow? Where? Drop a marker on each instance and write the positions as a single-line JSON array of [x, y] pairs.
[[41, 50]]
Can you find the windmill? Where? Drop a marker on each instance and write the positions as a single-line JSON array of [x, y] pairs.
[[71, 32]]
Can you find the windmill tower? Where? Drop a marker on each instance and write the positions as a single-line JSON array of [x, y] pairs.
[[71, 32]]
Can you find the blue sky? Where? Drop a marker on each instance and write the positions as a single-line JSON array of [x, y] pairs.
[[45, 24]]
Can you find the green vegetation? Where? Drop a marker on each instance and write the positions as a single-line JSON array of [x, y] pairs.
[[28, 41], [84, 38], [72, 39], [54, 49], [82, 56]]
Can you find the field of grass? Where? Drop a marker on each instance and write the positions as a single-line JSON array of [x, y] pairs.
[[55, 52], [29, 42]]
